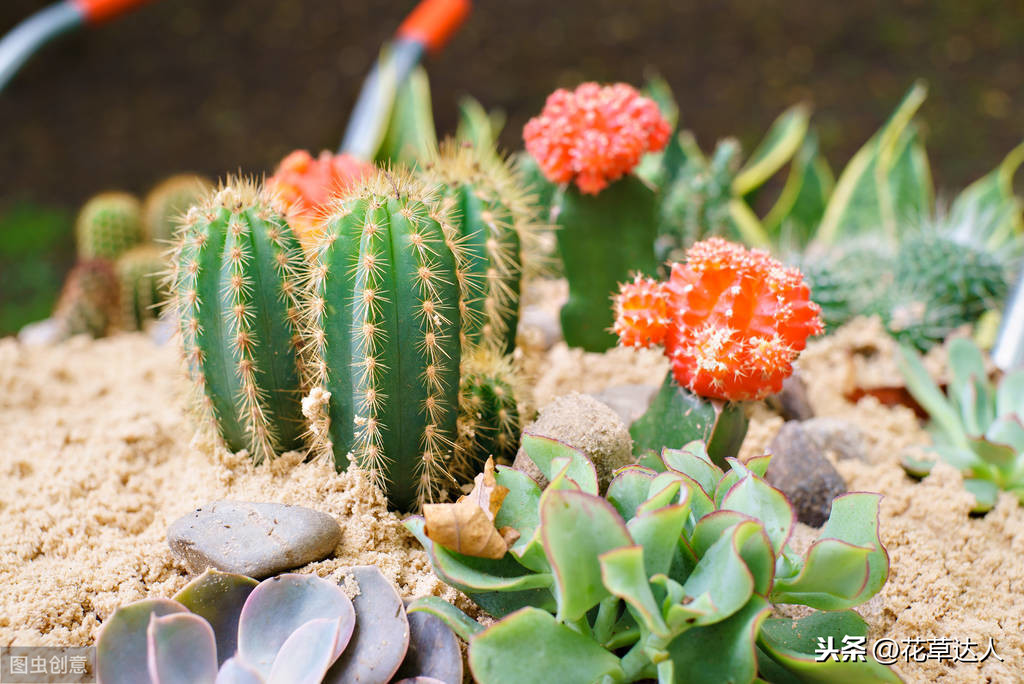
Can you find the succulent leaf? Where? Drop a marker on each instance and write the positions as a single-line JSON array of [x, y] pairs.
[[121, 647], [309, 651], [234, 671], [218, 597], [181, 650]]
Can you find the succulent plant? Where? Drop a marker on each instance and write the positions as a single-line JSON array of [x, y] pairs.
[[108, 225], [166, 204], [88, 302], [977, 426], [489, 418], [384, 318], [671, 576], [731, 321], [589, 141], [494, 218], [226, 628], [139, 273], [235, 278]]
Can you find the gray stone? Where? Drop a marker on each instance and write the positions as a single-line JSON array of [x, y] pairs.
[[540, 326], [791, 402], [801, 471], [629, 401], [840, 436], [43, 333], [583, 422], [253, 539]]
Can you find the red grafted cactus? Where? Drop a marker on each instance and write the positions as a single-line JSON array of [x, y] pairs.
[[303, 186], [731, 320], [595, 134]]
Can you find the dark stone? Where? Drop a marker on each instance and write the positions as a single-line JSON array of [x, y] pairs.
[[253, 539], [801, 471], [839, 436], [791, 402]]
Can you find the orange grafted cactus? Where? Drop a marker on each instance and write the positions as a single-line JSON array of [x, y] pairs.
[[595, 134], [642, 314], [737, 320], [303, 186]]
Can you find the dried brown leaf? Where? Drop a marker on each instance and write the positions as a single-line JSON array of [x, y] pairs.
[[467, 526]]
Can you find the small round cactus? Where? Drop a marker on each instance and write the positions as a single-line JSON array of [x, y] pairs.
[[89, 301], [108, 225], [139, 274], [166, 204], [731, 320], [489, 418]]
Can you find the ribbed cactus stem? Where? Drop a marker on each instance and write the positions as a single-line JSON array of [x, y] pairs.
[[383, 314], [236, 277], [108, 225], [138, 274], [489, 416]]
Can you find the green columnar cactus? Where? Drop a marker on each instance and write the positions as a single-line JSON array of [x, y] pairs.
[[384, 317], [670, 576], [108, 225], [489, 419], [491, 214], [167, 203], [89, 301], [235, 278], [139, 273]]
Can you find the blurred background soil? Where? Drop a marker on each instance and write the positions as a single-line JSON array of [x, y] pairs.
[[224, 85]]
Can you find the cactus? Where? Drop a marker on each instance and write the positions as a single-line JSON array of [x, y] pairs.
[[731, 321], [846, 280], [108, 225], [290, 628], [494, 218], [142, 293], [166, 204], [653, 579], [235, 278], [89, 301], [384, 314], [489, 418]]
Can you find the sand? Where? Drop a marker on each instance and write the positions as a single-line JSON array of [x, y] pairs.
[[97, 457]]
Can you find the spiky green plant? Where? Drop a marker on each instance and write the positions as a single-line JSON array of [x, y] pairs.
[[167, 203], [670, 576], [384, 318], [142, 293], [108, 225], [489, 417], [494, 218], [89, 301], [977, 427], [234, 281]]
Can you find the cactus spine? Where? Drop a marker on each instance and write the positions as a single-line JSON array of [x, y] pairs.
[[138, 273], [489, 417], [490, 213], [166, 204], [108, 225], [235, 279], [383, 315]]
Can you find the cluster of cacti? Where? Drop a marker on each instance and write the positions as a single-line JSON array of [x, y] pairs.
[[224, 627], [235, 279], [108, 225], [139, 276], [731, 322], [977, 427], [167, 202], [671, 576], [89, 301], [489, 416]]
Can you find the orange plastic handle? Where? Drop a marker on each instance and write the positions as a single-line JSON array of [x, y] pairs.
[[97, 11], [434, 22]]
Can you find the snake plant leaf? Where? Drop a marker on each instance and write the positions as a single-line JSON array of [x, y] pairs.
[[862, 198], [476, 126], [732, 641], [693, 460], [122, 644], [218, 597], [722, 575], [1010, 394], [623, 573], [793, 644], [543, 451], [652, 167], [306, 655], [758, 499], [658, 533], [795, 216], [460, 623], [747, 225], [991, 205], [410, 134], [181, 650], [530, 642], [279, 606], [234, 671], [779, 145], [909, 183], [576, 528], [628, 489], [926, 392]]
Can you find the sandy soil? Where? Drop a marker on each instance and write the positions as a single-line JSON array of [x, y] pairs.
[[97, 458]]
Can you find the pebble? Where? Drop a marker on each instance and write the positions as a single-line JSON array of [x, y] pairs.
[[801, 471]]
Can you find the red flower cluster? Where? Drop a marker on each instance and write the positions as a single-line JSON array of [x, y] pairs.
[[302, 186], [594, 134], [731, 320]]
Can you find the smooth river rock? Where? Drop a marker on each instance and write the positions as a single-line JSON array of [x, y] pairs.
[[253, 539]]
